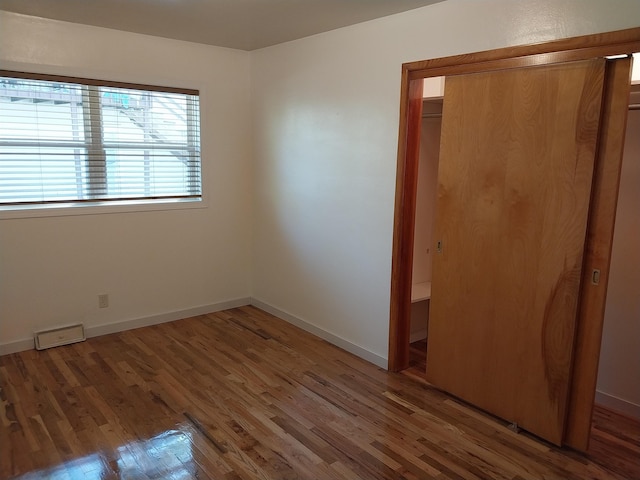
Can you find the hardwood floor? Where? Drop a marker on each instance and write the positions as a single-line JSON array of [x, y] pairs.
[[615, 438], [241, 394], [615, 442]]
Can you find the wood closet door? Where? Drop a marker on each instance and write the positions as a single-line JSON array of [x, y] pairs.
[[516, 165]]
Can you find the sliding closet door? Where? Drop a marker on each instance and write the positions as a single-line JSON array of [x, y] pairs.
[[516, 166]]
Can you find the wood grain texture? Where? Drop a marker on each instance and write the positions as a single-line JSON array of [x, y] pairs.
[[558, 51], [241, 394], [404, 225], [615, 438], [598, 252], [516, 162], [615, 442], [583, 47]]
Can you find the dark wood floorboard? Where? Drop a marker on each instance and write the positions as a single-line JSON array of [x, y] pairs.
[[241, 394], [615, 438]]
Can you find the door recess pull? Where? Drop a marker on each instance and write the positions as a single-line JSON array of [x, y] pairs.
[[595, 276], [439, 246]]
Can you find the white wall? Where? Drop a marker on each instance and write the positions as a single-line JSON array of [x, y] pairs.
[[619, 373], [325, 116], [150, 263]]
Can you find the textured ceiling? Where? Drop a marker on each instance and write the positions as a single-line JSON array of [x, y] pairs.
[[242, 24]]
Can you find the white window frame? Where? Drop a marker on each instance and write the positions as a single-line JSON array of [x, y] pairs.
[[92, 112]]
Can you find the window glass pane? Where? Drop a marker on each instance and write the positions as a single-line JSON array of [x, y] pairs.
[[131, 115], [41, 111], [64, 141], [132, 173], [29, 174], [119, 127]]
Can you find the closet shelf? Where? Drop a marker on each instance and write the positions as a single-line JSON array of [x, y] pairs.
[[420, 291]]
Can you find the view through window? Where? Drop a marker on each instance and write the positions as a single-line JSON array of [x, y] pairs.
[[63, 142]]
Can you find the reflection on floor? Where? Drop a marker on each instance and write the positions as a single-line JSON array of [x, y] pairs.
[[165, 456], [241, 394], [615, 438]]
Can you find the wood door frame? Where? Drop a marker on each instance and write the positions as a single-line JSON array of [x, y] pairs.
[[589, 323]]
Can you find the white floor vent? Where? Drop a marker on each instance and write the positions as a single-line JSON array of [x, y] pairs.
[[59, 336]]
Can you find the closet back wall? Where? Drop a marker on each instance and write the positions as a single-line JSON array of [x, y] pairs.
[[619, 372]]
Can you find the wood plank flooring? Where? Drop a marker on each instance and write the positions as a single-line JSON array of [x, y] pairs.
[[241, 394], [615, 438]]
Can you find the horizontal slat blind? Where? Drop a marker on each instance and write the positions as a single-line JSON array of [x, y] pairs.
[[71, 142]]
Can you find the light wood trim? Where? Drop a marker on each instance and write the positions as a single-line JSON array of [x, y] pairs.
[[505, 304], [576, 48], [565, 50], [405, 210], [524, 61], [98, 83], [598, 253]]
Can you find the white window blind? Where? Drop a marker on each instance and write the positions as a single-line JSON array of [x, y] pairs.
[[70, 140]]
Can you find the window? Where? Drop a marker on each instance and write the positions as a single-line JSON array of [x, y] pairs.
[[64, 141]]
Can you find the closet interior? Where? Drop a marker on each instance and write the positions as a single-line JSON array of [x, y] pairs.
[[425, 209], [621, 333], [424, 221]]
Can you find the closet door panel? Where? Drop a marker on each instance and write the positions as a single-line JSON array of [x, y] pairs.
[[516, 166], [602, 215]]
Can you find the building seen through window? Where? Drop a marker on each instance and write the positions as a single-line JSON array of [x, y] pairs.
[[73, 142]]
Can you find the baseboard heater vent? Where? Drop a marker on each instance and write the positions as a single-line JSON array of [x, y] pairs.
[[59, 336]]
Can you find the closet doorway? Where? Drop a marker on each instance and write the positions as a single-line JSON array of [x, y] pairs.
[[617, 367], [590, 301], [426, 197]]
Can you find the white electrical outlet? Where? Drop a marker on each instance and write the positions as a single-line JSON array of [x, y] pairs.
[[103, 300]]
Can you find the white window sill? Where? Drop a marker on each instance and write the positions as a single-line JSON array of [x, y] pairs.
[[97, 208]]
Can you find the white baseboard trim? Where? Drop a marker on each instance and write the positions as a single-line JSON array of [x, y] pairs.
[[618, 404], [418, 335], [324, 334], [107, 328], [17, 346]]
